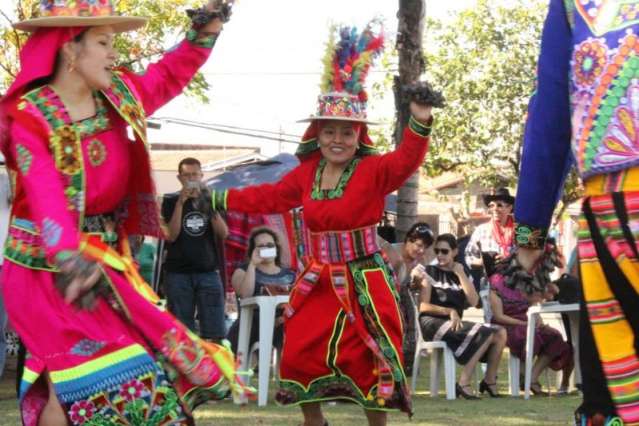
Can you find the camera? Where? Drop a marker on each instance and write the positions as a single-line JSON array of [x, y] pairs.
[[268, 253], [193, 185]]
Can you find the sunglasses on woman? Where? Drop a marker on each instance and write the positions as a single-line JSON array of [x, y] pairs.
[[422, 230], [442, 251]]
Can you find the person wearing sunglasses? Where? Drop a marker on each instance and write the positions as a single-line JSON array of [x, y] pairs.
[[493, 240], [408, 260], [444, 295]]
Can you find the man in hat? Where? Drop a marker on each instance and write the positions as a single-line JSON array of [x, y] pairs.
[[493, 240]]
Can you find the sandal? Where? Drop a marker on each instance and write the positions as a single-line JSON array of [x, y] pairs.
[[536, 389], [484, 386], [459, 391]]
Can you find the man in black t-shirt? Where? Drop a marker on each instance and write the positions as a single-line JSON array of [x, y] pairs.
[[191, 267]]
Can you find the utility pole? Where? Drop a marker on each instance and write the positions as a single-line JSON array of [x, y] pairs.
[[410, 33]]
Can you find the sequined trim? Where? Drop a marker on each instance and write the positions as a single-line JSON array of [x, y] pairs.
[[206, 42], [24, 160], [338, 191], [530, 237], [419, 128], [219, 199]]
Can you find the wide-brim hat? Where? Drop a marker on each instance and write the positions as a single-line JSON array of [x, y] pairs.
[[501, 194], [340, 106], [80, 13]]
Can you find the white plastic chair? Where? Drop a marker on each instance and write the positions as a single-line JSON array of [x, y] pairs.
[[267, 306], [435, 348]]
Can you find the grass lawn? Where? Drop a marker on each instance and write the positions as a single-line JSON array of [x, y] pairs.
[[429, 411]]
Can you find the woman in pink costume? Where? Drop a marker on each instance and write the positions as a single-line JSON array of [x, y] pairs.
[[101, 351]]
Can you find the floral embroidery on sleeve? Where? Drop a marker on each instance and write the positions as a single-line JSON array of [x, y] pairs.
[[25, 158]]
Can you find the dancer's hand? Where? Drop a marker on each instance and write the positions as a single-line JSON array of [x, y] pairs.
[[422, 113], [215, 26], [527, 257], [77, 276]]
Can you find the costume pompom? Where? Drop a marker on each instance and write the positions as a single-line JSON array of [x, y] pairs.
[[348, 58]]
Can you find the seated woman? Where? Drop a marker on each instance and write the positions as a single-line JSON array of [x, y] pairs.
[[509, 308], [408, 260], [446, 292], [262, 275]]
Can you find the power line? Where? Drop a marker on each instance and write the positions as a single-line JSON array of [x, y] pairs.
[[233, 132], [193, 122], [278, 73]]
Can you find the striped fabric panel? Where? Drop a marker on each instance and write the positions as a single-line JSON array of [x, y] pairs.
[[623, 382], [605, 312], [473, 331], [622, 373], [442, 330], [346, 246]]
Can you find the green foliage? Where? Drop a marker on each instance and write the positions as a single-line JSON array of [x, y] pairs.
[[167, 21], [484, 61]]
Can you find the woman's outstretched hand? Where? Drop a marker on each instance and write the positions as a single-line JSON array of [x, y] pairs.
[[422, 113]]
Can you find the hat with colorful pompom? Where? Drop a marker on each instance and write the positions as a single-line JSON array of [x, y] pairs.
[[347, 61]]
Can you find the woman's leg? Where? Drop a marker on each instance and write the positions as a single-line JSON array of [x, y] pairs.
[[52, 413], [312, 414], [375, 417], [565, 375], [540, 365], [498, 343], [469, 368]]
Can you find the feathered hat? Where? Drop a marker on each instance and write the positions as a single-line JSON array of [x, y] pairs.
[[347, 61], [80, 13]]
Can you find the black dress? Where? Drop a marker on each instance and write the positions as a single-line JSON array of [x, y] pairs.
[[448, 292]]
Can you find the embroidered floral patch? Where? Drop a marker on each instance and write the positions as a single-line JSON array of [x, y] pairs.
[[81, 411], [132, 390], [86, 347], [66, 150], [97, 152], [145, 400], [51, 232], [24, 159]]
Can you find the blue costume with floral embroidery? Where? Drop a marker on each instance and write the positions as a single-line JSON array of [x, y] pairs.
[[586, 112]]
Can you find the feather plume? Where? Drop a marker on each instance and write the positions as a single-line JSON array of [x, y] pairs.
[[348, 60]]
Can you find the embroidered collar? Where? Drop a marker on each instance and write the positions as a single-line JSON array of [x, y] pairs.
[[58, 114], [338, 191]]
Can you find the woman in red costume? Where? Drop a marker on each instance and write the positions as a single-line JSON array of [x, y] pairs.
[[101, 351], [343, 330]]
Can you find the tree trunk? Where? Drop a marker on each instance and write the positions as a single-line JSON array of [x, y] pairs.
[[411, 66]]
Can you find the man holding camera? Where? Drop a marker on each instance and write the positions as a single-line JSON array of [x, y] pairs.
[[191, 267]]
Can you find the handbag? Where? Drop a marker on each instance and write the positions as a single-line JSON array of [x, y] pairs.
[[569, 289]]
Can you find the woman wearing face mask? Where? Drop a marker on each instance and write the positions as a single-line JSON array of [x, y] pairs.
[[343, 333], [443, 298], [101, 351], [261, 275]]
